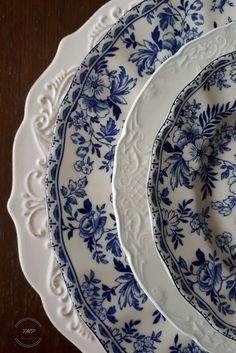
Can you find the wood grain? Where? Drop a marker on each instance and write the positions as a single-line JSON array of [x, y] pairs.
[[30, 31]]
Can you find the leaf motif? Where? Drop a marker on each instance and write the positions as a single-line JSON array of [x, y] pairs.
[[87, 206], [64, 191], [120, 267], [200, 256]]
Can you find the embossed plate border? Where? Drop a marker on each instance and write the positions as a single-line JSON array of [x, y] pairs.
[[131, 168], [26, 204]]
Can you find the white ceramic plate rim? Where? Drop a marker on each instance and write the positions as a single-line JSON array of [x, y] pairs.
[[27, 199], [179, 312]]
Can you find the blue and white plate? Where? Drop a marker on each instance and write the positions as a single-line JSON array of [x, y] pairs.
[[132, 163], [81, 218], [194, 165]]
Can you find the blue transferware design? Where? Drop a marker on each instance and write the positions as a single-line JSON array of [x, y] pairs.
[[192, 193], [177, 347], [104, 94], [78, 182], [174, 20], [219, 5]]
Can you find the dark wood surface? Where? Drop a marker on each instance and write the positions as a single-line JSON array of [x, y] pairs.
[[30, 31]]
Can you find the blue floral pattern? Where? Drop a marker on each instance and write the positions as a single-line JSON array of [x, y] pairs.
[[104, 93], [193, 155], [178, 347], [81, 217], [219, 5], [174, 20]]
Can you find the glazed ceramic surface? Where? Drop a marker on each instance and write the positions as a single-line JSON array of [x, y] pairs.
[[81, 217], [27, 201], [130, 179], [192, 193]]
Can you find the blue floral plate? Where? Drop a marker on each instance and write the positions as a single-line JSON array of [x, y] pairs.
[[194, 164], [81, 218]]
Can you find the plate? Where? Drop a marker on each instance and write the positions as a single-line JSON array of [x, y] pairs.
[[192, 193], [27, 201], [81, 217], [130, 180]]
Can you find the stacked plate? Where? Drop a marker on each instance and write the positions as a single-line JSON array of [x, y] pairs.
[[140, 181]]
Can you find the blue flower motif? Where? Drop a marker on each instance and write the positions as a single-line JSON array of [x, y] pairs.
[[160, 47], [220, 4], [170, 222], [196, 153], [86, 167], [87, 289], [186, 135], [171, 42], [78, 119], [192, 33], [103, 95], [217, 79], [92, 225], [139, 346], [190, 111], [101, 312], [197, 224], [209, 277], [147, 344], [223, 240], [228, 134], [98, 86], [94, 107], [144, 345]]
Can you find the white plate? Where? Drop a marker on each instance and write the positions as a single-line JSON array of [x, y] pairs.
[[27, 201], [191, 192], [81, 219], [130, 177]]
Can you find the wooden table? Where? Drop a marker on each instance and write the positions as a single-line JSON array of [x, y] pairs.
[[30, 31]]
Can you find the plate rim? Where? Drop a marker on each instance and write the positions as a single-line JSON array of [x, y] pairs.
[[152, 190], [56, 304], [193, 330]]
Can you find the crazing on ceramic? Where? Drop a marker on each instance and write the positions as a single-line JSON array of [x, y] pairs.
[[81, 217]]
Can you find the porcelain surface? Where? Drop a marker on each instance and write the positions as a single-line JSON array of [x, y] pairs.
[[81, 216], [27, 201], [130, 179], [192, 193]]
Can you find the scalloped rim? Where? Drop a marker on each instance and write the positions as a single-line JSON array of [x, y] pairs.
[[54, 161], [41, 255], [179, 312], [210, 315]]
